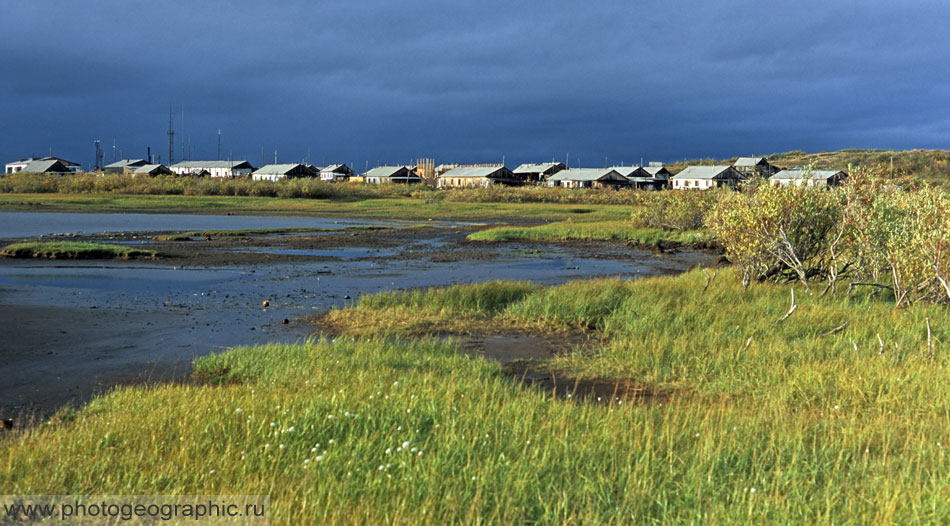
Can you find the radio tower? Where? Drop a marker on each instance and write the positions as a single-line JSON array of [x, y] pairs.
[[171, 138]]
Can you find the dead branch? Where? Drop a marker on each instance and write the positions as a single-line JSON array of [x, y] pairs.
[[708, 280], [837, 329], [881, 342], [878, 285], [790, 309]]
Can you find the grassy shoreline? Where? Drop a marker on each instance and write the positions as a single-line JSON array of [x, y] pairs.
[[769, 420], [74, 250]]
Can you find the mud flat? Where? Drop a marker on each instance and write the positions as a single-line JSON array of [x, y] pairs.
[[74, 329]]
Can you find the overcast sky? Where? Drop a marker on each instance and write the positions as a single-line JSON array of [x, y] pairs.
[[388, 82]]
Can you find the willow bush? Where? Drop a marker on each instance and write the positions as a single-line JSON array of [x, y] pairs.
[[870, 230]]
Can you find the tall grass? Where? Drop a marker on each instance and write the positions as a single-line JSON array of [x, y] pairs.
[[793, 427], [74, 250], [596, 231]]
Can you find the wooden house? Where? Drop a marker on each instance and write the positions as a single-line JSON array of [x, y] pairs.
[[588, 178], [474, 176], [706, 177], [535, 173], [392, 174], [336, 173], [273, 172], [754, 167]]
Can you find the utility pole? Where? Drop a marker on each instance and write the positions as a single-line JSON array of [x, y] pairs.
[[219, 144], [171, 137]]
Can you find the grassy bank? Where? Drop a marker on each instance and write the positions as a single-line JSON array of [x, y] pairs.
[[74, 250], [596, 231], [769, 421]]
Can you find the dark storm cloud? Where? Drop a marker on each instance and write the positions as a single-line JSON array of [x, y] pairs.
[[376, 81]]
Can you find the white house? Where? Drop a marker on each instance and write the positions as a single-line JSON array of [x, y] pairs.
[[42, 165], [706, 177], [336, 173], [809, 177], [213, 168], [273, 172]]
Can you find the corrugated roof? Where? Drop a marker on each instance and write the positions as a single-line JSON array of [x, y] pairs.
[[583, 174], [534, 167], [148, 168], [210, 164], [806, 174], [126, 162], [276, 169], [701, 172], [625, 171], [473, 171], [388, 171], [44, 165]]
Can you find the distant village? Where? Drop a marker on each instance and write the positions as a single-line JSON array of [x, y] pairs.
[[654, 176]]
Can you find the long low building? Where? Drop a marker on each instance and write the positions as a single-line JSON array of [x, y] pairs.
[[42, 165], [474, 176], [706, 177], [213, 168], [273, 172], [809, 177], [588, 178], [391, 174]]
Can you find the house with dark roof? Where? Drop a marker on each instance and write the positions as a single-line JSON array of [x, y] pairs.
[[151, 170], [588, 178], [475, 176], [391, 174], [273, 172], [754, 167], [213, 168], [706, 177], [806, 177], [645, 177], [537, 172]]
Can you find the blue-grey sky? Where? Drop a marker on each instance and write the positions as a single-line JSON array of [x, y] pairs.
[[373, 81]]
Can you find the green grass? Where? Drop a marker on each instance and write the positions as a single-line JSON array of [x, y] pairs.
[[74, 250], [824, 433], [596, 231]]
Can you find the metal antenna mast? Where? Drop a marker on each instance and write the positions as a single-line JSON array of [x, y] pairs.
[[219, 144], [171, 137]]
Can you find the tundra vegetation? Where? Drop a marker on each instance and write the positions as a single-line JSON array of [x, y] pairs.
[[765, 392]]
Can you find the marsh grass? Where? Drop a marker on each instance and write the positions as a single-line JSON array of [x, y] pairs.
[[603, 230], [794, 427], [74, 250]]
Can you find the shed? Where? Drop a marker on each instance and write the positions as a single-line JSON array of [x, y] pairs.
[[809, 177]]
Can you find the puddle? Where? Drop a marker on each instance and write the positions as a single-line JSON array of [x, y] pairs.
[[340, 253], [566, 387]]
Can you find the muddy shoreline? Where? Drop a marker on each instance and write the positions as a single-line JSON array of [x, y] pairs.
[[77, 329]]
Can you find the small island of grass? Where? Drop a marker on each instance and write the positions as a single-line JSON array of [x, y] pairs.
[[74, 250]]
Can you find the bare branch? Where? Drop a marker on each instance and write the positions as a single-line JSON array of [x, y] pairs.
[[881, 342], [790, 309], [837, 329]]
